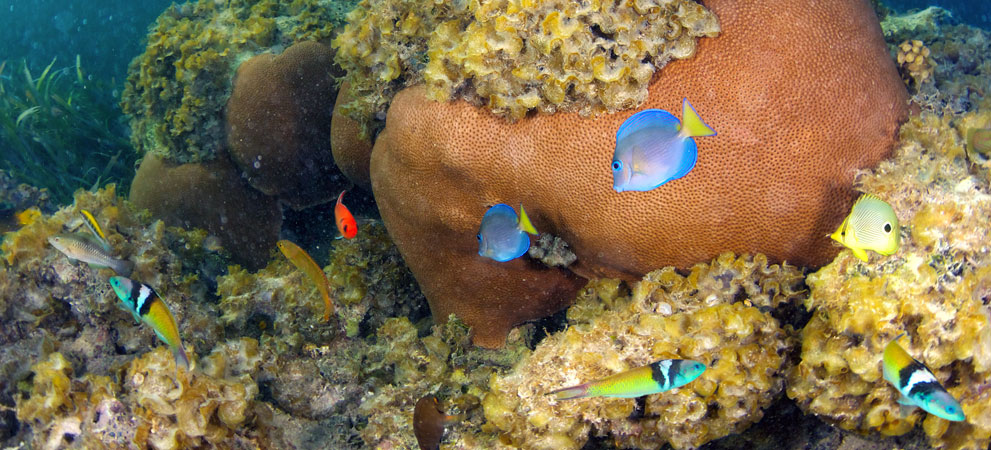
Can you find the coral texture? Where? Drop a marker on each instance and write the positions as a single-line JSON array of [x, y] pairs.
[[176, 89], [278, 124], [772, 180], [936, 288], [915, 63], [514, 57], [211, 196], [351, 147], [746, 352]]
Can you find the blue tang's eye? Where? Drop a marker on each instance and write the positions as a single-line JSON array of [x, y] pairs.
[[478, 236], [617, 166]]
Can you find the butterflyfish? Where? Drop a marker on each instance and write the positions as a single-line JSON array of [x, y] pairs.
[[147, 306], [659, 376], [345, 221], [90, 250], [429, 422], [502, 235], [307, 265], [917, 385], [871, 225], [654, 147]]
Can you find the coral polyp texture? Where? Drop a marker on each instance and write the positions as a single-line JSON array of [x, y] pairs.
[[515, 57], [915, 62], [936, 288], [176, 90], [464, 159], [705, 316]]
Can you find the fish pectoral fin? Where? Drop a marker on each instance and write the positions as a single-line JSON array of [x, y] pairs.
[[905, 401], [859, 253]]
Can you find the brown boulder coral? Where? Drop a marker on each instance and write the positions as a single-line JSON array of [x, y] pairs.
[[278, 124], [214, 197], [794, 122]]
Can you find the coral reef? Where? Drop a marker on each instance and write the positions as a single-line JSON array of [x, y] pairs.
[[176, 90], [458, 159], [960, 53], [915, 63], [706, 316], [278, 124], [214, 197], [936, 288], [546, 55]]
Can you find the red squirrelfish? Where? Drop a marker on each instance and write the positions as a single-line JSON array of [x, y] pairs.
[[345, 221]]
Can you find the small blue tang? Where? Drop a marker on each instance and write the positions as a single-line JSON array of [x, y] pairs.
[[502, 235], [652, 148]]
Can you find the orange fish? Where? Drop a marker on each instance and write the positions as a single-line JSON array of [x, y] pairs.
[[345, 221], [305, 263]]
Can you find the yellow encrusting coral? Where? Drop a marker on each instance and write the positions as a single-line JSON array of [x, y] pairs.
[[516, 56], [931, 289], [706, 316], [915, 63]]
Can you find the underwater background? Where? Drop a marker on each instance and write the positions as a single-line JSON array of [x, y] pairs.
[[290, 195]]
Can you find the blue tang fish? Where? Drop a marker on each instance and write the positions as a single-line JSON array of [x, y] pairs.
[[503, 235], [653, 147]]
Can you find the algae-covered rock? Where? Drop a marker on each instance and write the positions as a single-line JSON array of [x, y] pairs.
[[935, 289], [707, 316], [515, 57], [176, 90]]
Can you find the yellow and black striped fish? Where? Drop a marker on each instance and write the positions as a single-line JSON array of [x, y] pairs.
[[146, 306]]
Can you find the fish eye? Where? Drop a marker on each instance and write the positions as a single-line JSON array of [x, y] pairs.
[[951, 409], [617, 165], [887, 227], [478, 236]]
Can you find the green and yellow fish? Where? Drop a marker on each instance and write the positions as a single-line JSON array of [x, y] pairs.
[[917, 385], [871, 225], [659, 376], [147, 306]]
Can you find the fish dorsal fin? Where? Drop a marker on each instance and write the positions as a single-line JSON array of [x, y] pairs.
[[94, 227], [525, 224], [658, 119], [692, 123]]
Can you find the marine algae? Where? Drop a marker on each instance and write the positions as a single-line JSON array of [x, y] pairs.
[[707, 316], [515, 57]]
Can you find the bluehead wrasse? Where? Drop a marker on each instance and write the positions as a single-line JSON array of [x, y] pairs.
[[917, 385], [653, 147], [145, 305], [871, 225], [86, 248], [307, 265], [94, 227], [429, 422], [502, 234], [659, 376]]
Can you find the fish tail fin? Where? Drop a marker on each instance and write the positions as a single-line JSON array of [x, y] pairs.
[[340, 198], [525, 224], [124, 267], [569, 393], [181, 359], [691, 124]]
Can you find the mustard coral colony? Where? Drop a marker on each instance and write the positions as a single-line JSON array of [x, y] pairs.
[[935, 289], [514, 57], [708, 316]]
